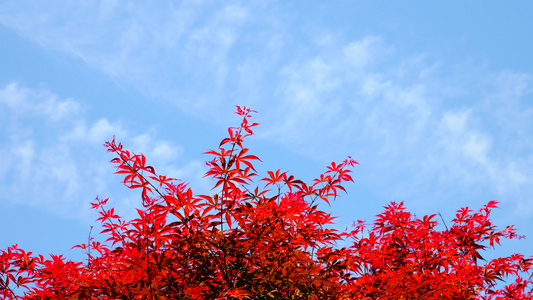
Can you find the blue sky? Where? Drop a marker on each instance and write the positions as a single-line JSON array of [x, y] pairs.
[[433, 98]]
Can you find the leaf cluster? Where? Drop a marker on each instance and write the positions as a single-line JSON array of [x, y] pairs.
[[266, 238]]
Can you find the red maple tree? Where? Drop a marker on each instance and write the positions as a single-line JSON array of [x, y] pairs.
[[267, 239]]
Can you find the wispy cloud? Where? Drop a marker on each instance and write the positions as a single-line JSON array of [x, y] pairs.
[[406, 125], [164, 50], [52, 154], [419, 126]]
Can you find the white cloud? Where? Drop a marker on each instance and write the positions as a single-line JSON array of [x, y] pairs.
[[165, 151], [362, 52], [156, 48], [466, 147], [401, 121], [56, 162], [455, 122], [160, 151], [23, 101], [477, 148], [182, 53], [23, 155], [408, 120]]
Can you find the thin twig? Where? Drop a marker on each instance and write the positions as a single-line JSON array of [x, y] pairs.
[[89, 248], [443, 222]]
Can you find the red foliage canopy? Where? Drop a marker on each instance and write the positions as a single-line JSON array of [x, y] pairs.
[[266, 242]]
